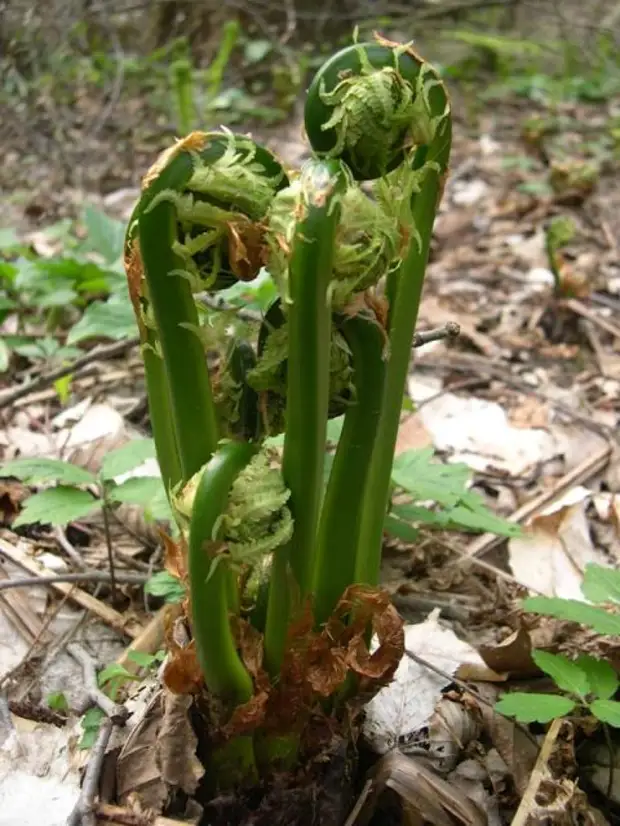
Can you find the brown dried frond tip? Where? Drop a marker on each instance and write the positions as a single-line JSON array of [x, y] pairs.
[[134, 268], [193, 142]]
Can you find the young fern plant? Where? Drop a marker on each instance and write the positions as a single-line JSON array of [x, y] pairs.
[[282, 571]]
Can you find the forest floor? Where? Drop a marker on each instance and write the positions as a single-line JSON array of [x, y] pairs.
[[528, 397]]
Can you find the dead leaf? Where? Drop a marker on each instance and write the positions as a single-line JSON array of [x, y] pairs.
[[176, 746], [247, 251], [551, 557], [175, 556], [182, 674], [512, 656], [412, 435]]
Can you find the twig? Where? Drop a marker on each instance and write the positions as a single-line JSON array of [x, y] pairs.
[[539, 773], [68, 548], [83, 813], [449, 330], [108, 541], [116, 712], [107, 351], [580, 308], [84, 576], [578, 475]]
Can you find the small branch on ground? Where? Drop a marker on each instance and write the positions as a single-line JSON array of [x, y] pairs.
[[86, 576], [449, 330], [7, 397], [83, 813], [116, 712]]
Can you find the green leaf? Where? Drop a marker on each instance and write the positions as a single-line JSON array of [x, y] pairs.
[[573, 610], [56, 298], [91, 723], [601, 584], [38, 470], [416, 472], [113, 319], [472, 513], [57, 701], [112, 672], [408, 512], [607, 711], [147, 491], [57, 506], [143, 658], [401, 530], [5, 356], [163, 584], [565, 673], [534, 708], [127, 457], [601, 676], [8, 239], [105, 234], [257, 50]]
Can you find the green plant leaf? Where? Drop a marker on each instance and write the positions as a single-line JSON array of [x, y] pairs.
[[113, 319], [401, 530], [8, 239], [607, 711], [601, 584], [534, 708], [601, 676], [105, 234], [39, 470], [164, 585], [126, 458], [573, 610], [57, 506], [147, 491], [112, 672], [472, 513], [5, 356], [57, 701], [565, 673], [144, 659], [416, 472], [91, 723]]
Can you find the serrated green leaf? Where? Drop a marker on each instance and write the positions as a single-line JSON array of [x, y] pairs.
[[162, 584], [56, 298], [408, 512], [57, 506], [565, 673], [142, 658], [472, 513], [113, 671], [534, 708], [416, 472], [601, 584], [127, 457], [602, 677], [572, 610], [113, 319], [607, 711], [105, 234], [38, 469], [147, 491], [401, 530]]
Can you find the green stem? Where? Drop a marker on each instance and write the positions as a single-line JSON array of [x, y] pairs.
[[309, 317], [278, 610], [224, 673], [161, 419], [403, 317], [191, 397], [342, 512]]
